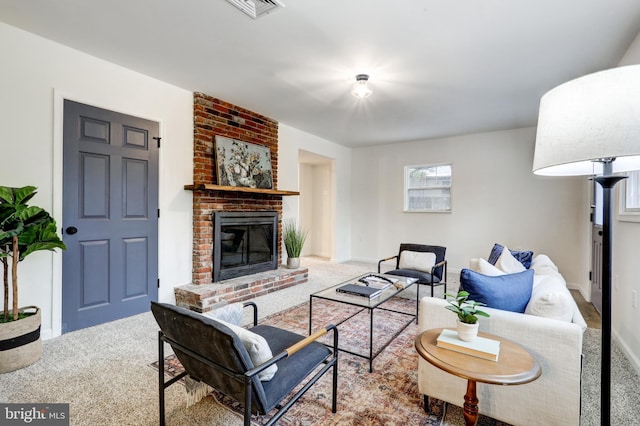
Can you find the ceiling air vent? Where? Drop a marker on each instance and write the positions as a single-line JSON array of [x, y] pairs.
[[257, 8]]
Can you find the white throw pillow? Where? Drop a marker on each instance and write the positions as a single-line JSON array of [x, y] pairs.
[[417, 261], [257, 347], [485, 268], [231, 313], [509, 264], [551, 299], [474, 264]]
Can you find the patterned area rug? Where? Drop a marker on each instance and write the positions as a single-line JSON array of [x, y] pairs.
[[388, 395]]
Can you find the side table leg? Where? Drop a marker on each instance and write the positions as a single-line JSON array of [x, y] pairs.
[[471, 404]]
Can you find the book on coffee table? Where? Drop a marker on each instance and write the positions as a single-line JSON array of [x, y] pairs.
[[481, 347], [359, 290]]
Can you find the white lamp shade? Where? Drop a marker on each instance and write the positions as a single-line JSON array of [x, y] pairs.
[[590, 118]]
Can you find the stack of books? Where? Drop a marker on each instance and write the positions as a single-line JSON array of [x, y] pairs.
[[359, 290], [481, 347]]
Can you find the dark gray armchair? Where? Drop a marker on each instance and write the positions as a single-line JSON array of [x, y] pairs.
[[212, 353], [432, 276]]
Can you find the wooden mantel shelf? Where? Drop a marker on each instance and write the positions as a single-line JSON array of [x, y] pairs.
[[212, 187]]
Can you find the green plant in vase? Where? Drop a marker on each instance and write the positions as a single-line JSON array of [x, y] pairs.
[[24, 229], [294, 239], [467, 312]]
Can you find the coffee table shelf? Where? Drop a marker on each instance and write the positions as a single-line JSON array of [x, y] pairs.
[[365, 303]]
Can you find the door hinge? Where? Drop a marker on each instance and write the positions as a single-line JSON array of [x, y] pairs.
[[157, 139], [590, 276], [158, 282], [158, 213]]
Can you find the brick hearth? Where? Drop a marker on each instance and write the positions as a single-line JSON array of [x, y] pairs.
[[200, 297]]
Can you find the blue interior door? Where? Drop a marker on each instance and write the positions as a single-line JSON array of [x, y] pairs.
[[110, 216]]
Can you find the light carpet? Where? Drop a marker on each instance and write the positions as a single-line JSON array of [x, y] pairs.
[[103, 372]]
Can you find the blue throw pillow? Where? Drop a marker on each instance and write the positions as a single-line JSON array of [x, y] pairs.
[[509, 292], [524, 257]]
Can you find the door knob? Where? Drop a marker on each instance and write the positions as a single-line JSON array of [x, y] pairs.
[[71, 230], [600, 233]]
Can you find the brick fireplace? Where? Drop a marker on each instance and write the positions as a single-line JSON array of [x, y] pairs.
[[215, 117]]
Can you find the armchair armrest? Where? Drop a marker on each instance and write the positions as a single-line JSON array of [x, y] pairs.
[[444, 273], [311, 338], [255, 311], [384, 260]]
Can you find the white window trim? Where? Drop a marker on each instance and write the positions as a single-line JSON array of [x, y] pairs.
[[624, 214], [406, 189]]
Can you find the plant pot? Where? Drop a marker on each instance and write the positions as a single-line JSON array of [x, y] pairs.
[[467, 332], [293, 262], [20, 343]]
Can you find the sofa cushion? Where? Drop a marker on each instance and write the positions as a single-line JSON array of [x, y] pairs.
[[257, 347], [524, 257], [418, 261], [509, 292], [543, 265], [550, 298], [422, 277]]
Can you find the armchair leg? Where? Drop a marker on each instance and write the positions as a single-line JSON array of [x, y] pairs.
[[426, 403], [161, 378], [334, 400]]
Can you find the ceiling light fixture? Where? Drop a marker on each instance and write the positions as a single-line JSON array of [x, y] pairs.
[[360, 90], [257, 8]]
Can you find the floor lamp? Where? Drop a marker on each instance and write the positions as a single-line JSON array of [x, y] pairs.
[[591, 126]]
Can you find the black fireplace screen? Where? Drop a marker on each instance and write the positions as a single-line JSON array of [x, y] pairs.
[[244, 243]]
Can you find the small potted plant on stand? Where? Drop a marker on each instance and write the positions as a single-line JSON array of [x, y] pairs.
[[468, 312], [24, 229], [294, 239]]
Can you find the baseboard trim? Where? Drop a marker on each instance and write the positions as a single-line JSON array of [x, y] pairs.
[[582, 288], [633, 359]]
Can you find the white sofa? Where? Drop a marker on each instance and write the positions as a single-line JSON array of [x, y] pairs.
[[555, 342]]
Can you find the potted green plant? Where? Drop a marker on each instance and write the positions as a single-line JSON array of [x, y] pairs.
[[24, 230], [467, 312], [294, 239]]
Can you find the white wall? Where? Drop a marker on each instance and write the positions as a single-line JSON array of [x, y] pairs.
[[626, 245], [291, 141], [495, 198], [36, 74]]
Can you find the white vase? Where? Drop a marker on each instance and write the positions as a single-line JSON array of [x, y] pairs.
[[467, 332], [293, 262]]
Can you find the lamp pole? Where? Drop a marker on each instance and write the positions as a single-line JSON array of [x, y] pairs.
[[607, 181]]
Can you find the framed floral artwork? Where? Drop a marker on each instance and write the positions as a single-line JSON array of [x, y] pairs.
[[242, 164]]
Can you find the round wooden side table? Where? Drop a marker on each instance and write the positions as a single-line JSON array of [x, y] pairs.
[[515, 366]]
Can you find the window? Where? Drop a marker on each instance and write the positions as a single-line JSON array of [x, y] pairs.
[[427, 188], [630, 197]]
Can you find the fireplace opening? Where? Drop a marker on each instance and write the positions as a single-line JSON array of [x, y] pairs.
[[244, 243]]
